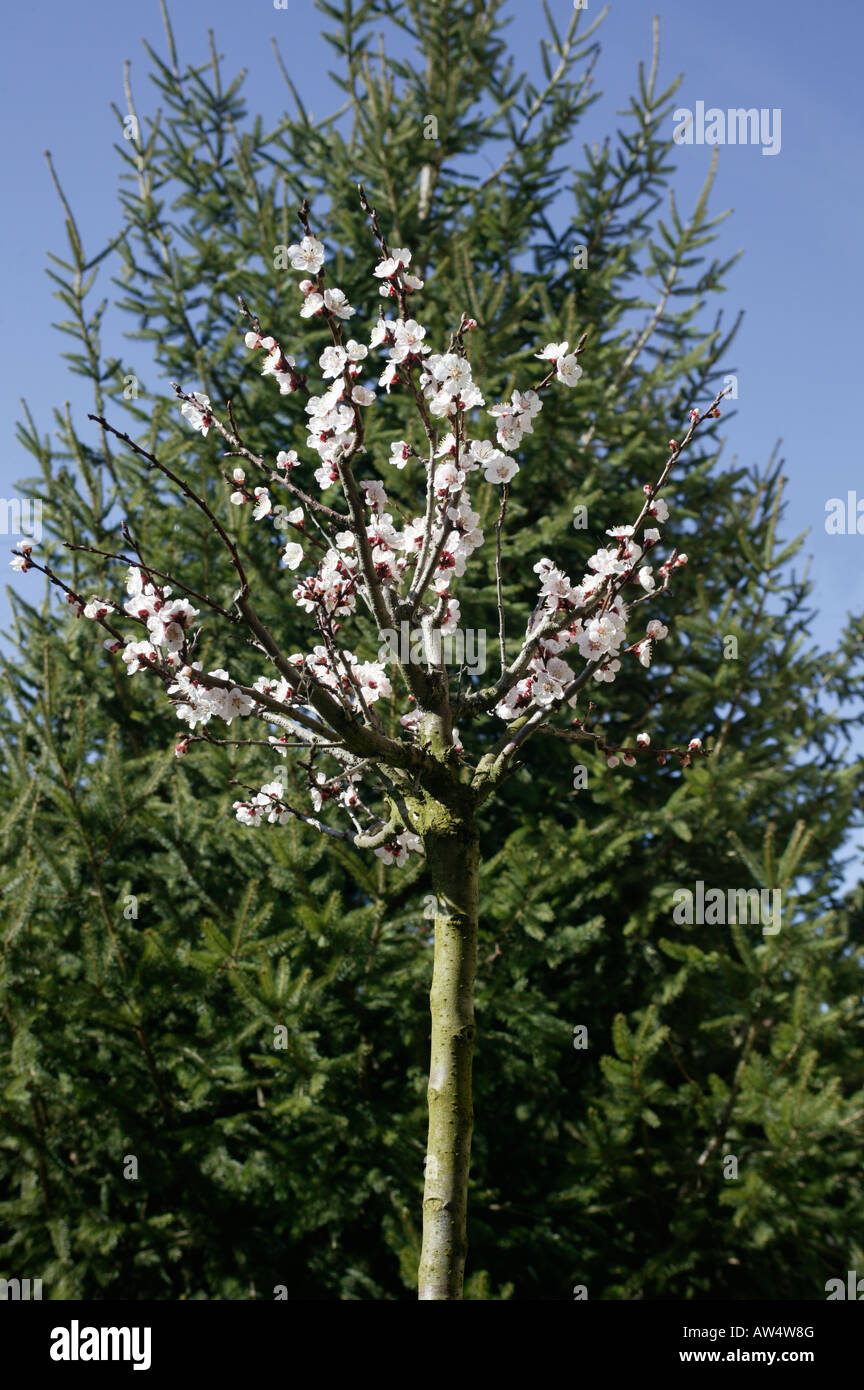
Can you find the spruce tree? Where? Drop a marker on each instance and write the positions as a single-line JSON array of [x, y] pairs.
[[154, 947]]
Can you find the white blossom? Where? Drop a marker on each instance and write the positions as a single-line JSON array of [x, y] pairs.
[[308, 255], [197, 411]]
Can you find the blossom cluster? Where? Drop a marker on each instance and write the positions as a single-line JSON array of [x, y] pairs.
[[383, 556]]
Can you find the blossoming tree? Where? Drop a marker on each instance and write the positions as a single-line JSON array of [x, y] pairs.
[[399, 747]]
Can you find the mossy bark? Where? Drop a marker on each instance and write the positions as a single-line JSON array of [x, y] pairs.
[[452, 851]]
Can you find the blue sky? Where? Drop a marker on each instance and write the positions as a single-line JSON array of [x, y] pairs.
[[797, 214]]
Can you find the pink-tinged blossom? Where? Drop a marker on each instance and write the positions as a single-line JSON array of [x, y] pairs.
[[332, 361], [448, 478], [552, 352], [399, 259], [307, 256], [568, 371], [606, 674], [168, 626], [516, 699], [97, 608], [441, 404], [556, 586], [138, 655], [509, 431], [480, 452], [606, 562], [263, 505], [313, 304], [269, 799], [382, 333], [412, 536], [514, 418], [348, 795], [373, 680], [389, 376], [500, 469], [400, 452], [449, 370], [396, 852], [144, 601], [551, 681], [408, 336], [279, 690], [450, 619], [200, 703], [337, 303], [276, 363], [326, 476], [197, 411], [319, 791], [135, 582], [292, 555], [601, 636], [528, 403], [471, 397], [376, 497], [646, 578]]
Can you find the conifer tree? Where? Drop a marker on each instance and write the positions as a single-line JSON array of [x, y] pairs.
[[607, 1176]]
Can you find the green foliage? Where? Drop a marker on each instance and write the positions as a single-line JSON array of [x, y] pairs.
[[154, 951]]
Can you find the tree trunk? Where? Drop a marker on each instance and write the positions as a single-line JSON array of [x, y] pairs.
[[452, 852]]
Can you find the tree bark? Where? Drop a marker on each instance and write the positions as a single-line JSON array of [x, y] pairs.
[[452, 852]]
